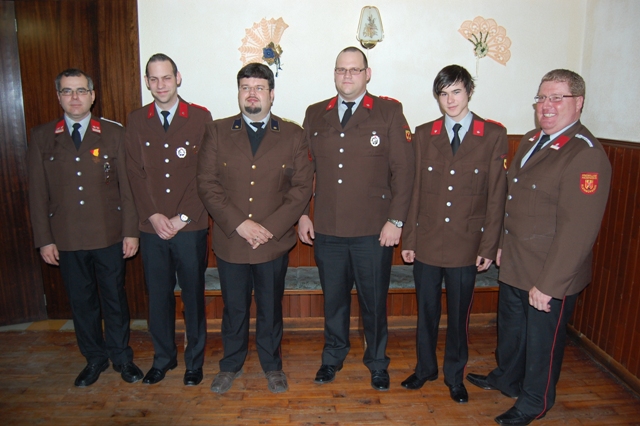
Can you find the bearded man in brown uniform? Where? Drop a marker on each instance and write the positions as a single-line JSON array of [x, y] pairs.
[[255, 178], [163, 139], [364, 162], [558, 185], [454, 223], [84, 220]]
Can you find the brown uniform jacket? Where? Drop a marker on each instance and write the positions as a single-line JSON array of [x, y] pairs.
[[162, 165], [553, 213], [457, 205], [271, 188], [80, 199], [364, 172]]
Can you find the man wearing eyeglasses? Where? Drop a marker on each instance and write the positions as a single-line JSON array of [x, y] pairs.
[[163, 139], [364, 163], [84, 220], [558, 184], [255, 179]]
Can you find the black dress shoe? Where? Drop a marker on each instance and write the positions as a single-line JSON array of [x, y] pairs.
[[327, 373], [513, 416], [90, 374], [481, 381], [380, 380], [413, 382], [129, 372], [192, 377], [459, 393], [156, 375]]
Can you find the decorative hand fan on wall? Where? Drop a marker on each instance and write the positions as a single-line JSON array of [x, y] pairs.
[[261, 43], [488, 39]]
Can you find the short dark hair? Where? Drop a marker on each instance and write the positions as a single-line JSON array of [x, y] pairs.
[[453, 74], [576, 83], [161, 57], [256, 70], [73, 72], [355, 49]]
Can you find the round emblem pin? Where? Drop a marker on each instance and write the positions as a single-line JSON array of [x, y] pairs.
[[181, 152], [375, 140]]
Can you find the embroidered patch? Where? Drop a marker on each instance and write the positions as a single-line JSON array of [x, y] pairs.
[[407, 135], [504, 160], [589, 183], [95, 152]]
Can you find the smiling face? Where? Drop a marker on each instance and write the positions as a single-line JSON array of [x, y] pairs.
[[454, 101], [555, 116], [162, 83], [254, 97], [76, 106], [350, 86]]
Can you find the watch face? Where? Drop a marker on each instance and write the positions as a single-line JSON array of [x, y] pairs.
[[184, 217]]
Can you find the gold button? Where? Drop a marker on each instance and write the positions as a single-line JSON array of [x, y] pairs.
[[253, 166], [250, 200], [284, 166], [250, 215], [252, 183]]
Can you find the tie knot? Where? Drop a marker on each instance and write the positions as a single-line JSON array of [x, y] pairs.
[[257, 124], [165, 114], [457, 127], [349, 104], [76, 126]]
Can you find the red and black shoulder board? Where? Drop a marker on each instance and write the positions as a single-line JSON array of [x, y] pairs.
[[389, 99], [495, 122], [199, 106]]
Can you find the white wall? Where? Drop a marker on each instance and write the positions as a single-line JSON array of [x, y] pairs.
[[421, 37]]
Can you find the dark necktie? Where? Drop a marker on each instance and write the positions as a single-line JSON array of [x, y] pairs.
[[258, 125], [75, 135], [165, 124], [348, 113], [539, 145], [455, 142], [256, 137]]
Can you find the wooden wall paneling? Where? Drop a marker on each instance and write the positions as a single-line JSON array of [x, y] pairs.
[[21, 290]]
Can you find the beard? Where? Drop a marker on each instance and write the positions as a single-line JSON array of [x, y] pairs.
[[253, 110]]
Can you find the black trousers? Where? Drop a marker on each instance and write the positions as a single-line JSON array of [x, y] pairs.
[[94, 280], [341, 261], [459, 283], [530, 349], [184, 256], [267, 282]]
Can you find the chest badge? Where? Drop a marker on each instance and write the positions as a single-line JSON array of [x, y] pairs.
[[375, 140], [181, 152]]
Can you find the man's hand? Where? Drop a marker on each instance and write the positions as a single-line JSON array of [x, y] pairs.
[[50, 254], [305, 230], [163, 226], [390, 235], [254, 233], [539, 300], [482, 263], [498, 257], [130, 246], [408, 256]]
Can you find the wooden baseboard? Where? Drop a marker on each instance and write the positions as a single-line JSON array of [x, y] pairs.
[[606, 360]]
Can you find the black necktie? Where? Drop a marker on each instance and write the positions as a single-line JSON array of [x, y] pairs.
[[348, 113], [75, 135], [256, 137], [539, 145], [258, 125], [455, 142], [165, 114]]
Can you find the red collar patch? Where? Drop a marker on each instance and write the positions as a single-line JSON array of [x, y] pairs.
[[478, 128], [560, 142], [332, 104], [535, 137], [152, 110], [367, 102], [436, 128], [95, 126], [60, 127], [183, 110]]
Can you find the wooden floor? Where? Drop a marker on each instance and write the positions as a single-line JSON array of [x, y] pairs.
[[37, 370]]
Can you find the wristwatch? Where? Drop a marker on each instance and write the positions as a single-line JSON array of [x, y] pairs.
[[397, 223], [184, 218]]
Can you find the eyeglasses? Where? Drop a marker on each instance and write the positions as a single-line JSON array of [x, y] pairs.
[[69, 92], [352, 71], [247, 89], [552, 98]]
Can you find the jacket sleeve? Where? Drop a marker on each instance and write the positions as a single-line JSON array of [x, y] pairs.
[[129, 212], [409, 237], [38, 194], [136, 172], [401, 164]]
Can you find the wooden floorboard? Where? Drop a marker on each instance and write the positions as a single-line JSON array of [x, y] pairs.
[[37, 370]]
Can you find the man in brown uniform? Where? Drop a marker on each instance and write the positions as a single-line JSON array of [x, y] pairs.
[[255, 179], [84, 220], [558, 184], [454, 223], [364, 165], [163, 139]]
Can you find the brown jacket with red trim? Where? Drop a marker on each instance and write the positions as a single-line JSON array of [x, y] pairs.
[[553, 213]]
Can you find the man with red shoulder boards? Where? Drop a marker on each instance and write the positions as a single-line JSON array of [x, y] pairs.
[[558, 185], [454, 222]]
